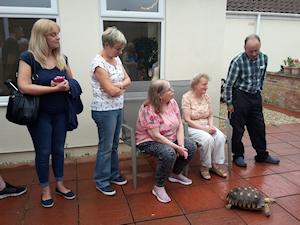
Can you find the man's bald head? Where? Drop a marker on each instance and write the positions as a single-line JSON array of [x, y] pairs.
[[252, 46]]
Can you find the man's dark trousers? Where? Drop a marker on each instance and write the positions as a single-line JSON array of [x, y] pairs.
[[248, 112]]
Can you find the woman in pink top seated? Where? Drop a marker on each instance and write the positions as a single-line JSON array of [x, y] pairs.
[[159, 132]]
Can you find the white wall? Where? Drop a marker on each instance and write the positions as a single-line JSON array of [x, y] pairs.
[[80, 28], [194, 41], [13, 138], [279, 36], [236, 29]]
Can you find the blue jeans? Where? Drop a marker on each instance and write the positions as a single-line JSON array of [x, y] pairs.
[[168, 161], [48, 135], [107, 161]]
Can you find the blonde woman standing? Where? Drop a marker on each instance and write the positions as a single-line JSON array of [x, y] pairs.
[[48, 133], [197, 112]]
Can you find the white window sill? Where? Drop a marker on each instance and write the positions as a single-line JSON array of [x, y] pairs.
[[3, 100]]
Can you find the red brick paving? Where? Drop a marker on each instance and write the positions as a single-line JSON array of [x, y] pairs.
[[201, 203]]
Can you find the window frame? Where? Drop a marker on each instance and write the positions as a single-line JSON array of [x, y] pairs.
[[129, 16], [53, 10], [133, 14], [28, 12], [4, 99]]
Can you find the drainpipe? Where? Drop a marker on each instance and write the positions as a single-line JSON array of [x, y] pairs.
[[258, 19]]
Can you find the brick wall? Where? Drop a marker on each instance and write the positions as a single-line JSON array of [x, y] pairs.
[[282, 90]]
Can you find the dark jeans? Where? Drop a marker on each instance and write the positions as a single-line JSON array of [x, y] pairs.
[[167, 158], [248, 112], [48, 135]]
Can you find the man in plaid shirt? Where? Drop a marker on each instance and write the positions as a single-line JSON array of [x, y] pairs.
[[244, 103]]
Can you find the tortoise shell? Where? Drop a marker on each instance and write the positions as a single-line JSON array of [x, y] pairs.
[[246, 198]]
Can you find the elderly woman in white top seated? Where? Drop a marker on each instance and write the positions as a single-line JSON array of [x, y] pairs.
[[197, 112]]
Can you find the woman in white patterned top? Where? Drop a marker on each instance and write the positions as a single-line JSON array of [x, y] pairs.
[[197, 112], [109, 82]]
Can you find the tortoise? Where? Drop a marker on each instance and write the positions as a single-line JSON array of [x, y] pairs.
[[249, 198]]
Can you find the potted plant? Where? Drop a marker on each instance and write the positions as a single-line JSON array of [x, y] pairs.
[[295, 70], [288, 64]]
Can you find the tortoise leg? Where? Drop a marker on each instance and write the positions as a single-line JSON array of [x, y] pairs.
[[267, 210], [228, 206], [269, 200]]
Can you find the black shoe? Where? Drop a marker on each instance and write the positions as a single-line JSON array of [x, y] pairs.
[[270, 160], [69, 195], [47, 203], [119, 181], [239, 161], [11, 191], [107, 190]]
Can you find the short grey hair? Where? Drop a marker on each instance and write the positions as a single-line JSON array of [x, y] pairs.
[[112, 36], [197, 79]]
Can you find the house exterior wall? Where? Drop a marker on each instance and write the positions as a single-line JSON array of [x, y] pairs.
[[81, 42], [194, 41], [279, 37], [191, 46]]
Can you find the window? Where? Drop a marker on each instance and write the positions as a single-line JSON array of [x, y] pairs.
[[29, 7], [143, 55], [22, 3], [133, 8], [133, 5], [15, 29]]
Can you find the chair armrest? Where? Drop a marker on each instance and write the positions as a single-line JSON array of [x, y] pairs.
[[128, 137], [185, 128], [220, 117], [228, 127], [128, 134]]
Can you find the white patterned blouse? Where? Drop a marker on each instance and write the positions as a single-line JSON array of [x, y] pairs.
[[101, 101]]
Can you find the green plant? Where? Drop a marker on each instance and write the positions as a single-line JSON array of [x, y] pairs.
[[289, 62]]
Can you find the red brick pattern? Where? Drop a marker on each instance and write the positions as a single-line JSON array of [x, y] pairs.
[[282, 91], [202, 203]]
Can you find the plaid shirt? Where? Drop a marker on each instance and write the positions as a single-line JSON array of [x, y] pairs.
[[245, 74]]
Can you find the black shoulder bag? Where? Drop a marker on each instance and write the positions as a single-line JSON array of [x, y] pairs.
[[22, 109]]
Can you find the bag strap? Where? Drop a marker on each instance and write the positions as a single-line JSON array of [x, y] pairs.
[[12, 85], [34, 75]]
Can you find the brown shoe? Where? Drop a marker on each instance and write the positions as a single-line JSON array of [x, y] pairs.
[[204, 171], [219, 171]]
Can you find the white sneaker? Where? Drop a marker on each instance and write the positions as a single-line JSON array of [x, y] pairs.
[[180, 179], [161, 194]]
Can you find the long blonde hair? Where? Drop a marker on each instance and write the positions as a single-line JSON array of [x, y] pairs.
[[156, 88], [38, 43]]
